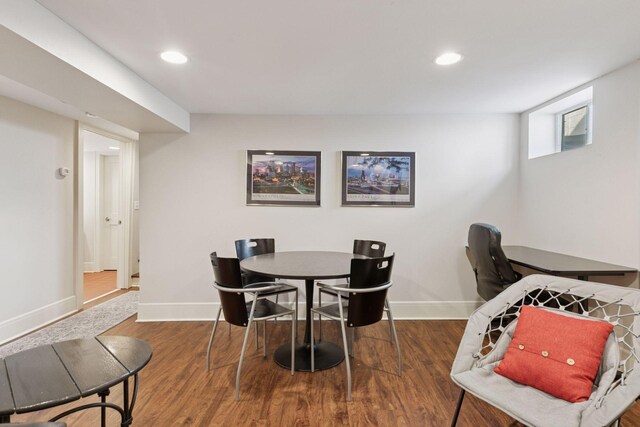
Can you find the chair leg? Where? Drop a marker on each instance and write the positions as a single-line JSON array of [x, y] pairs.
[[294, 324], [455, 415], [296, 313], [394, 337], [257, 333], [275, 319], [313, 355], [244, 347], [213, 332], [352, 339], [388, 310], [319, 317], [264, 338], [346, 357]]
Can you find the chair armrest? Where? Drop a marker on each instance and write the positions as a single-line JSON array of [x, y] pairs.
[[346, 290], [335, 289], [253, 288]]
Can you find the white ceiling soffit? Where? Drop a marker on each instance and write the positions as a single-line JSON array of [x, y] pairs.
[[45, 54], [362, 56], [18, 91]]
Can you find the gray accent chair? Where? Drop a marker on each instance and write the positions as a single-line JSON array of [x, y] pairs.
[[489, 332]]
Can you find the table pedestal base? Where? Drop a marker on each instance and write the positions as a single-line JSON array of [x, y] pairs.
[[327, 356]]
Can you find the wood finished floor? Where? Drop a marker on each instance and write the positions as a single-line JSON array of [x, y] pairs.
[[97, 284], [175, 390]]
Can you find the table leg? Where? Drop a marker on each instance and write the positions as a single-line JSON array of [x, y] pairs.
[[125, 393], [103, 410], [327, 354], [308, 287]]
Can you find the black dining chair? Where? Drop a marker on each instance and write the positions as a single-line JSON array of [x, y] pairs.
[[239, 312], [367, 297], [246, 248], [368, 248], [492, 269]]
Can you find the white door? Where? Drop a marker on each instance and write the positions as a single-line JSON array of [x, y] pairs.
[[111, 219]]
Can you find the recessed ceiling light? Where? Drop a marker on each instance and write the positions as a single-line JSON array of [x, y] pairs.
[[114, 148], [173, 57], [448, 58]]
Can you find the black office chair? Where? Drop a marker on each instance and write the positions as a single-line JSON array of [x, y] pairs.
[[490, 265], [367, 292], [228, 282], [371, 249]]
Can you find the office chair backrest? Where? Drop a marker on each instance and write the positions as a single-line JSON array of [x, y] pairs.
[[370, 248], [250, 247], [490, 264], [227, 273], [367, 308]]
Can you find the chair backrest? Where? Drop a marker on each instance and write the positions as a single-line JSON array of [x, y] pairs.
[[226, 272], [367, 308], [490, 264], [370, 248], [249, 247]]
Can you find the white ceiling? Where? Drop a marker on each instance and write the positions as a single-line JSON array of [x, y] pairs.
[[362, 56]]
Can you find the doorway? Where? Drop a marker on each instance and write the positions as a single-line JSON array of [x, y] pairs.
[[101, 216]]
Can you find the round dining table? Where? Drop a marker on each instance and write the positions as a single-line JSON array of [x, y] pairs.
[[308, 266]]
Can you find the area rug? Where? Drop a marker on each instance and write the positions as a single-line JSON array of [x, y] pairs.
[[86, 324]]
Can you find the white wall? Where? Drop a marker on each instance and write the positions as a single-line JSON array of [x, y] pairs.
[[36, 217], [193, 202], [586, 202]]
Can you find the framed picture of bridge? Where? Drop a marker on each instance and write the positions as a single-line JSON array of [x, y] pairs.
[[290, 178], [378, 178]]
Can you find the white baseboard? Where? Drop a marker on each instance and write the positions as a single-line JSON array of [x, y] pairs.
[[90, 267], [17, 326], [402, 310]]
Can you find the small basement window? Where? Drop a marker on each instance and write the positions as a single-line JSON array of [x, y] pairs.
[[575, 129], [561, 125]]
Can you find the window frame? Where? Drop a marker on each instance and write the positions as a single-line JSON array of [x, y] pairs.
[[560, 124]]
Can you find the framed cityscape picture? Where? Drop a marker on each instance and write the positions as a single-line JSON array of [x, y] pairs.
[[382, 178], [290, 178]]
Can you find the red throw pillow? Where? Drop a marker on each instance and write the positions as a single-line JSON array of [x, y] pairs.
[[557, 354]]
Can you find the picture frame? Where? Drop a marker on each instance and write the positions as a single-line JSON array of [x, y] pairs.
[[283, 178], [378, 178]]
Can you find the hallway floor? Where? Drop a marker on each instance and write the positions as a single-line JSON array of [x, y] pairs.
[[98, 284]]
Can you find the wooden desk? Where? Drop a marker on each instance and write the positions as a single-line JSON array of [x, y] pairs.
[[556, 264]]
